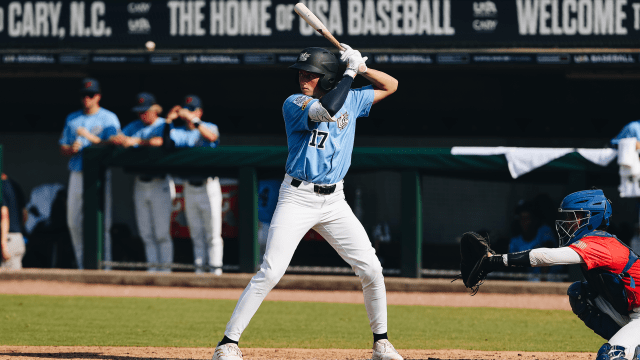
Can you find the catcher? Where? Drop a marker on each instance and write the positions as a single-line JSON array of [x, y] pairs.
[[608, 302]]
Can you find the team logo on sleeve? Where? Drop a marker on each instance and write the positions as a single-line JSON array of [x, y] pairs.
[[343, 120], [302, 101]]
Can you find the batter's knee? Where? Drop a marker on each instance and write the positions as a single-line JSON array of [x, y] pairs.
[[271, 277], [613, 352], [369, 271]]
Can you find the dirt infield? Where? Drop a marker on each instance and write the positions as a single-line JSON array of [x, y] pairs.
[[147, 353], [531, 301]]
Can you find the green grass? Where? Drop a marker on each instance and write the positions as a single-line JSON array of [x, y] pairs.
[[101, 321]]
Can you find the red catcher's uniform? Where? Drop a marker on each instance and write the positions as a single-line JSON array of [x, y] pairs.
[[607, 253]]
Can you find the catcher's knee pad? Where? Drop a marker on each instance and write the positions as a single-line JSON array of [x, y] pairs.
[[612, 352], [601, 323]]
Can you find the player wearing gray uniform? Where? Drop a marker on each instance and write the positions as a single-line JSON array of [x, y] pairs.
[[320, 124], [202, 194], [91, 125], [151, 192]]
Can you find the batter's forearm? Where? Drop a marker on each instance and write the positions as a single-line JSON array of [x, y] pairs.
[[381, 81]]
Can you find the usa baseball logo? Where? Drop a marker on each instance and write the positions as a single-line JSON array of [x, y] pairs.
[[304, 56], [88, 84], [189, 100], [140, 101], [343, 121]]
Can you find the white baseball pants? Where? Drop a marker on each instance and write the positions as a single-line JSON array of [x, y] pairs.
[[629, 335], [203, 210], [152, 201], [75, 215], [16, 250], [298, 210]]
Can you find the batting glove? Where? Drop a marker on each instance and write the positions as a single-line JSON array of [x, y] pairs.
[[354, 60]]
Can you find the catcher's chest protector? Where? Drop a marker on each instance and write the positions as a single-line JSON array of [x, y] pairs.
[[610, 285]]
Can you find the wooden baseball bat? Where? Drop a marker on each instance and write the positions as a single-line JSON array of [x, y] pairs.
[[304, 12]]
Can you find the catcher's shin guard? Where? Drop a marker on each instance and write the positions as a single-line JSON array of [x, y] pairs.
[[594, 318], [609, 352]]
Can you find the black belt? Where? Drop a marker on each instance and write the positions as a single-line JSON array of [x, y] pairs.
[[320, 189], [146, 178], [196, 183]]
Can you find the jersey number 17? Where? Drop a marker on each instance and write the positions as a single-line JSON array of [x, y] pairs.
[[322, 136]]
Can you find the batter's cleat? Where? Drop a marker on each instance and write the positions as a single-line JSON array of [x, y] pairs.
[[229, 351], [383, 350]]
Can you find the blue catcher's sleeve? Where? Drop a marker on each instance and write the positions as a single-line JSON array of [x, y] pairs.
[[632, 129]]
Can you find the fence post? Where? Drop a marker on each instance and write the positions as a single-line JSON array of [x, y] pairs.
[[93, 175], [248, 231], [411, 207]]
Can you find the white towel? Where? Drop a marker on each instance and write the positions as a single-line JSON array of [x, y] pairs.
[[523, 160], [602, 157], [628, 157]]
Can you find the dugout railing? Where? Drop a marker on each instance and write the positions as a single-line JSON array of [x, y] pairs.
[[247, 160]]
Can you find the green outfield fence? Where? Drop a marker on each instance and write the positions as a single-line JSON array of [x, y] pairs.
[[247, 160]]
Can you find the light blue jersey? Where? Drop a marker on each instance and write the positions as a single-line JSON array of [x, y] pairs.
[[138, 129], [102, 124], [321, 152], [632, 129], [184, 137]]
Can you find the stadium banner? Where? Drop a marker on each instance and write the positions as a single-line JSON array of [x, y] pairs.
[[272, 24]]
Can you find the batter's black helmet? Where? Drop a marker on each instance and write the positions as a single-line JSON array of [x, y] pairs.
[[319, 61]]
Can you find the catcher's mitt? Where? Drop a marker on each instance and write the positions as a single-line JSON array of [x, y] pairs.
[[474, 252]]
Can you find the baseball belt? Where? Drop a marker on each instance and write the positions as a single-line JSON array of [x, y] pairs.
[[320, 189]]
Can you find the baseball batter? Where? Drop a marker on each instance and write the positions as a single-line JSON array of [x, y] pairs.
[[91, 125], [151, 192], [202, 194], [320, 123]]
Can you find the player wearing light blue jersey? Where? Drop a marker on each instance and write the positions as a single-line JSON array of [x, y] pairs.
[[320, 124], [91, 125], [151, 192], [202, 193], [631, 130]]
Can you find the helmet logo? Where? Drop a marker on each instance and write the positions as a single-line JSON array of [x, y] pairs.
[[88, 84], [304, 56]]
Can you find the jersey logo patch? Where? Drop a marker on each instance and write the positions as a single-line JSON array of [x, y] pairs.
[[302, 101], [304, 56], [342, 121], [580, 245]]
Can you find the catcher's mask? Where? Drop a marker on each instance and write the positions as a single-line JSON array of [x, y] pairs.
[[319, 61], [582, 212]]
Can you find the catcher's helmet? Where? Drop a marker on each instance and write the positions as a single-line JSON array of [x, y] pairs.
[[585, 211], [319, 61]]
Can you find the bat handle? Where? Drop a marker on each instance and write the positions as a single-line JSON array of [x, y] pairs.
[[330, 37]]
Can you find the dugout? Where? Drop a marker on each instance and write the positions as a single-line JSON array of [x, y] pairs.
[[482, 86]]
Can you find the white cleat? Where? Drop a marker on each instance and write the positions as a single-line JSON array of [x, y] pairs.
[[383, 350], [229, 351]]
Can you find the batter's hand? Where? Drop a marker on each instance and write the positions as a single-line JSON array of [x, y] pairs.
[[356, 64]]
